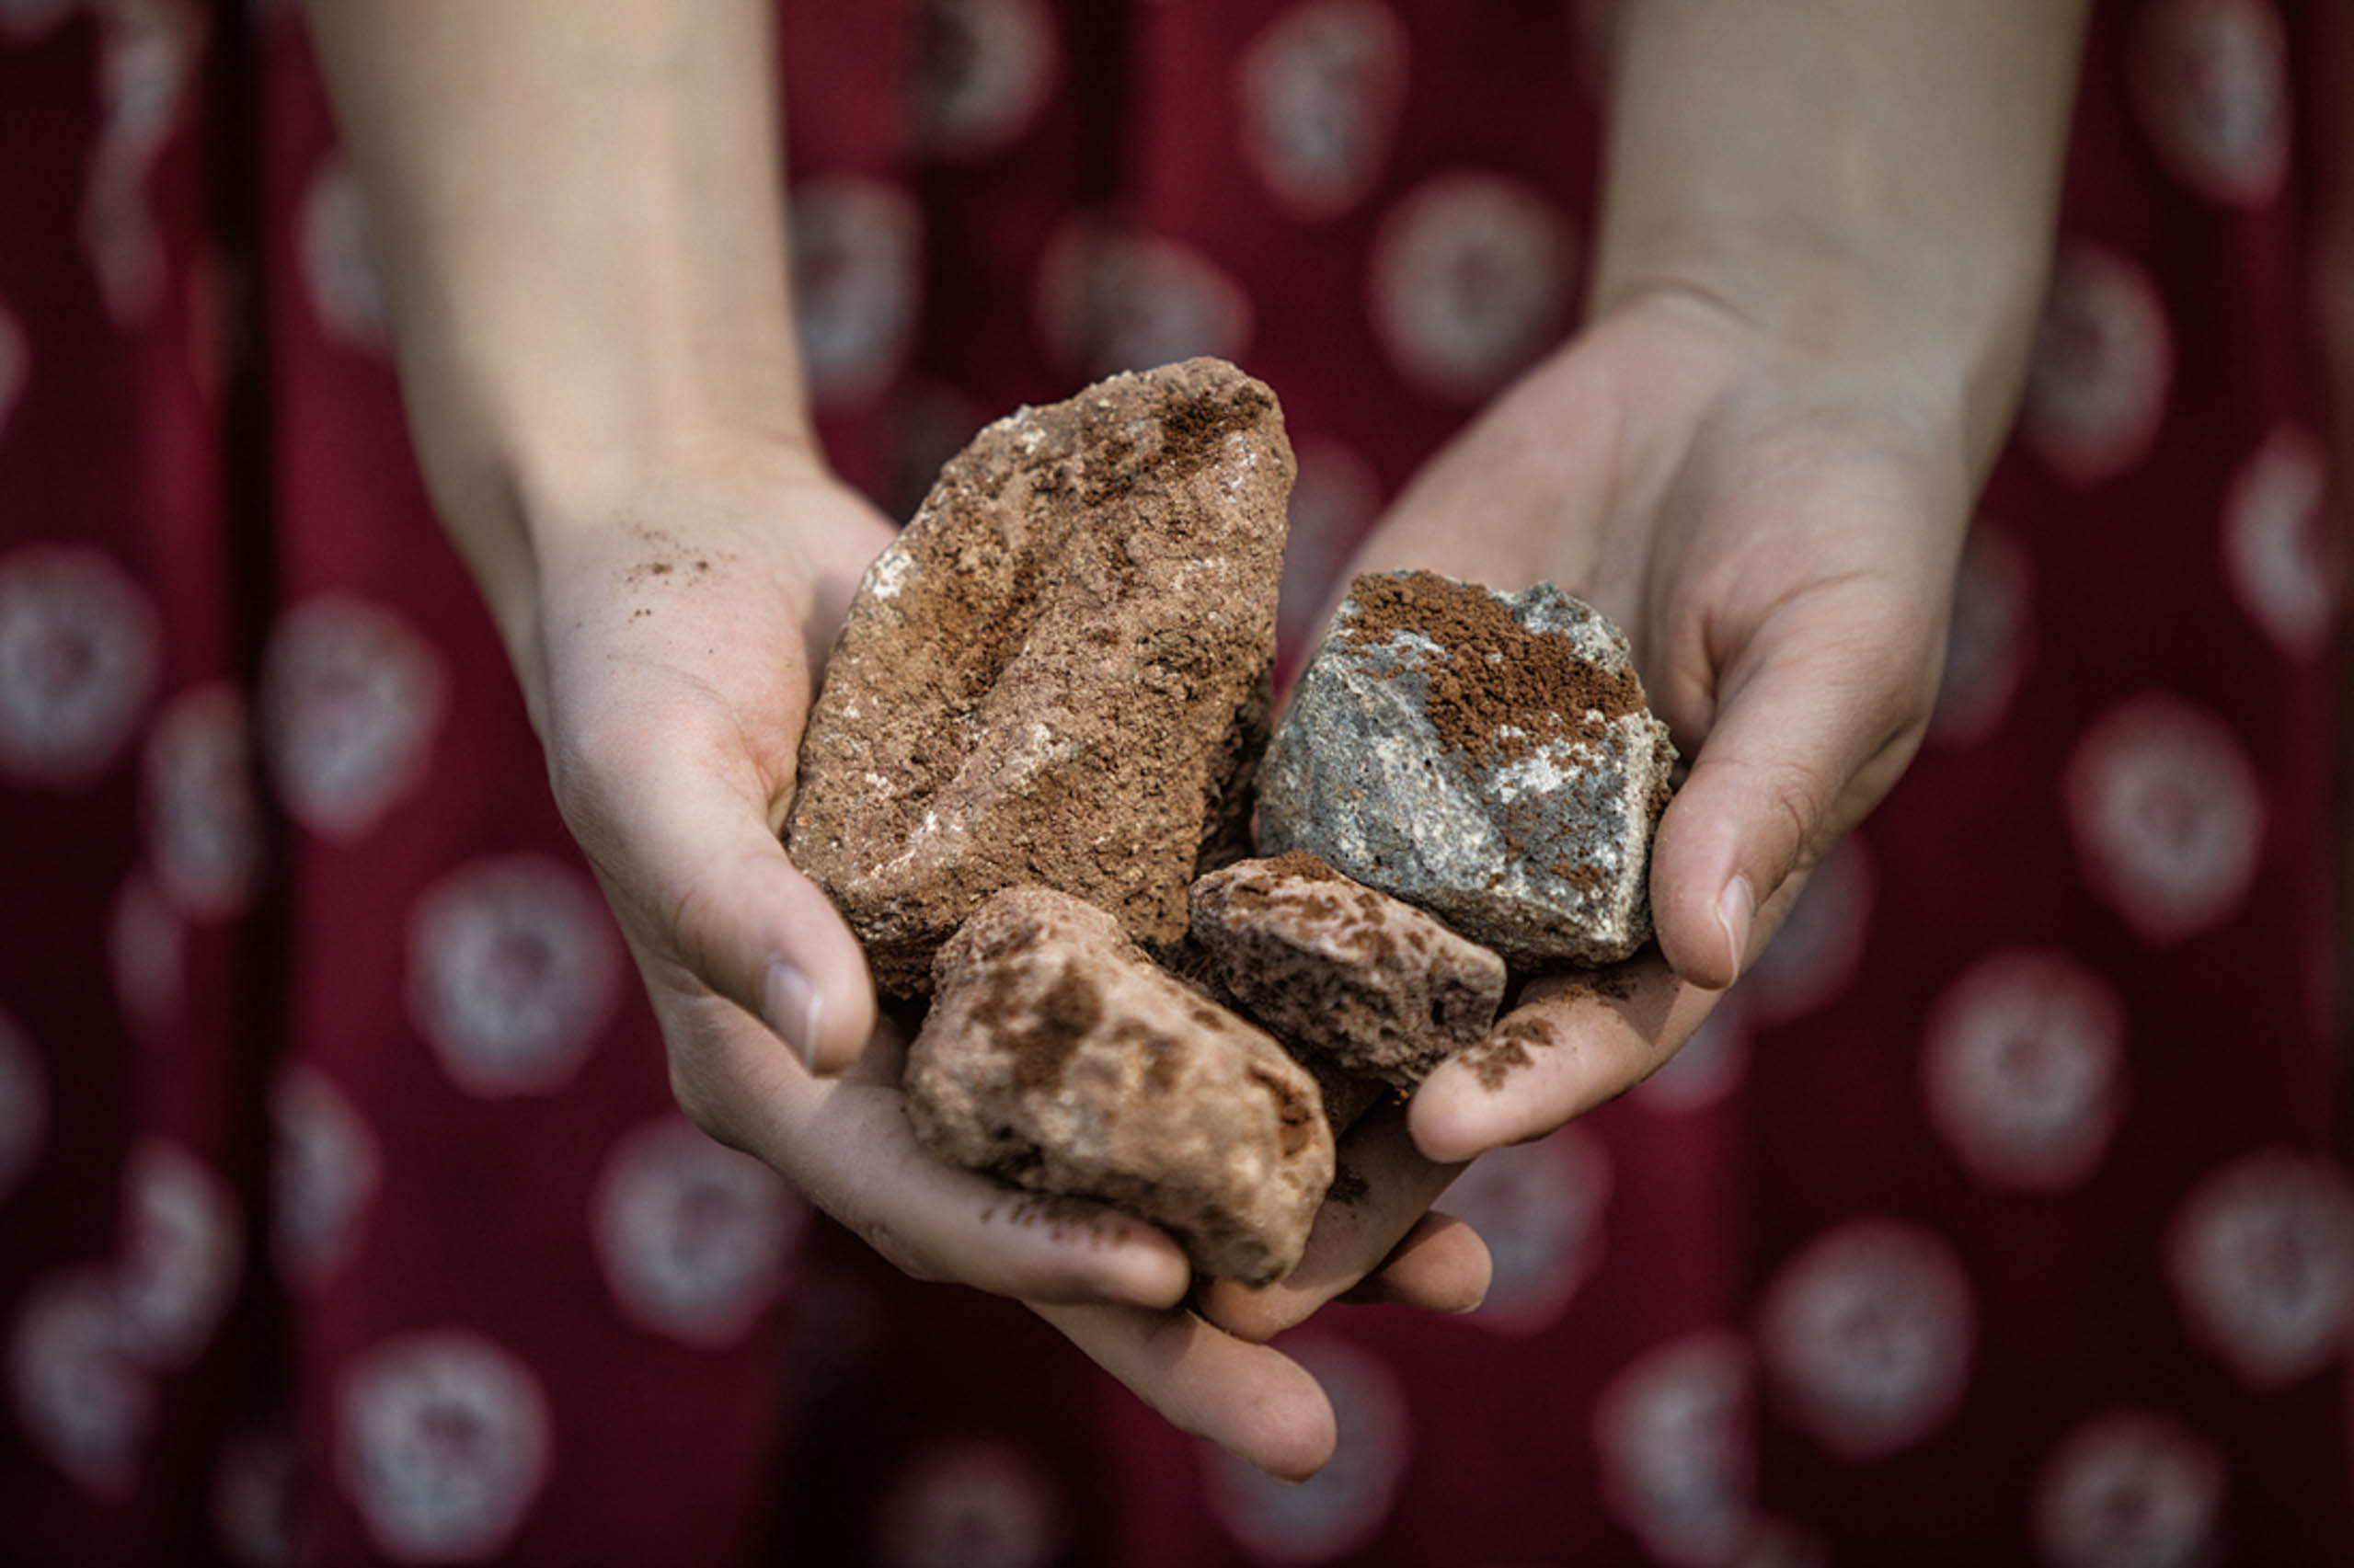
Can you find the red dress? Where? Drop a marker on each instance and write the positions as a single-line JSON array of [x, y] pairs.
[[343, 1216]]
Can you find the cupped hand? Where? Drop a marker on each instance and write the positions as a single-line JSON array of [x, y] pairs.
[[669, 654], [1778, 537]]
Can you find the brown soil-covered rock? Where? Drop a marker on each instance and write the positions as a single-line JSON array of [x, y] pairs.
[[1337, 970], [1057, 1055], [1057, 675]]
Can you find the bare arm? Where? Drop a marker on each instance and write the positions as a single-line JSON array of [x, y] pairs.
[[580, 210], [1873, 182]]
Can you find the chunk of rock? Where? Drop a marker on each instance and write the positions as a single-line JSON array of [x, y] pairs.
[[1335, 969], [1057, 675], [1486, 756], [1057, 1056]]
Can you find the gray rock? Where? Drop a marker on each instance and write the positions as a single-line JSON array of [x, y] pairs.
[[1487, 757], [1342, 973], [1058, 1057]]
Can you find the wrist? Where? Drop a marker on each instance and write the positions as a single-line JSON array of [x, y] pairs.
[[1947, 370], [540, 519]]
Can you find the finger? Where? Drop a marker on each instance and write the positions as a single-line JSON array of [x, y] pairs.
[[846, 1144], [688, 851], [1257, 1404], [1385, 1185], [1441, 1266], [1775, 780], [1570, 1045]]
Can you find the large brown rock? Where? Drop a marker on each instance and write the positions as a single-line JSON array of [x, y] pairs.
[[1057, 1056], [1057, 675], [1340, 972]]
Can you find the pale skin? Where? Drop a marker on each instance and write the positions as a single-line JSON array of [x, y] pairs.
[[1813, 291]]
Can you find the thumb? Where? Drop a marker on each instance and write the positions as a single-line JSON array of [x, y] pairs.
[[706, 889], [1803, 744]]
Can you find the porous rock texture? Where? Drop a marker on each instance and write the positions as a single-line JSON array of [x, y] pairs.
[[1058, 673], [1486, 756], [1340, 972], [1057, 1055]]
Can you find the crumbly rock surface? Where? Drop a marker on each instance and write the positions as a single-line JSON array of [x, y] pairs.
[[1057, 1055], [1487, 757], [1058, 674], [1341, 972]]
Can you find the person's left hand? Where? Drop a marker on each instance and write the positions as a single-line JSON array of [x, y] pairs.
[[1778, 539]]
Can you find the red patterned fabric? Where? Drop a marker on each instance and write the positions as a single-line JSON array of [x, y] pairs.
[[343, 1216]]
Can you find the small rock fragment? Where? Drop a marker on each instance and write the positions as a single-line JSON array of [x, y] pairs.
[[1058, 1057], [1057, 675], [1337, 970], [1486, 756]]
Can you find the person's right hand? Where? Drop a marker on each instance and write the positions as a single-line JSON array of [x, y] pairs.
[[670, 637]]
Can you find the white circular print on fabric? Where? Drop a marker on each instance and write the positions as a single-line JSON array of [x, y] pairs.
[[182, 1253], [694, 1237], [204, 826], [1710, 1067], [147, 948], [340, 258], [1866, 1334], [2211, 85], [1334, 501], [985, 69], [118, 235], [1111, 300], [2282, 550], [79, 646], [2261, 1259], [24, 1104], [1540, 1208], [1343, 1507], [1990, 641], [2167, 815], [2130, 1489], [1678, 1464], [80, 1397], [442, 1443], [513, 969], [973, 1503], [1817, 951], [2104, 359], [2023, 1069], [323, 1170], [148, 60], [1320, 89], [351, 700], [857, 282], [1470, 282]]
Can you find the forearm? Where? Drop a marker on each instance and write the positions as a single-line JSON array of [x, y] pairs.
[[579, 210], [1869, 181]]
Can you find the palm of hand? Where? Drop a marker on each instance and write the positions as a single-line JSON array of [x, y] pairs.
[[1781, 553]]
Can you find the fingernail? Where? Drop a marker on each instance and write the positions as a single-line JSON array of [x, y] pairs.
[[790, 1006], [1736, 907]]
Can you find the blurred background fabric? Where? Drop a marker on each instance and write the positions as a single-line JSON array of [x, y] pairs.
[[1998, 1217]]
